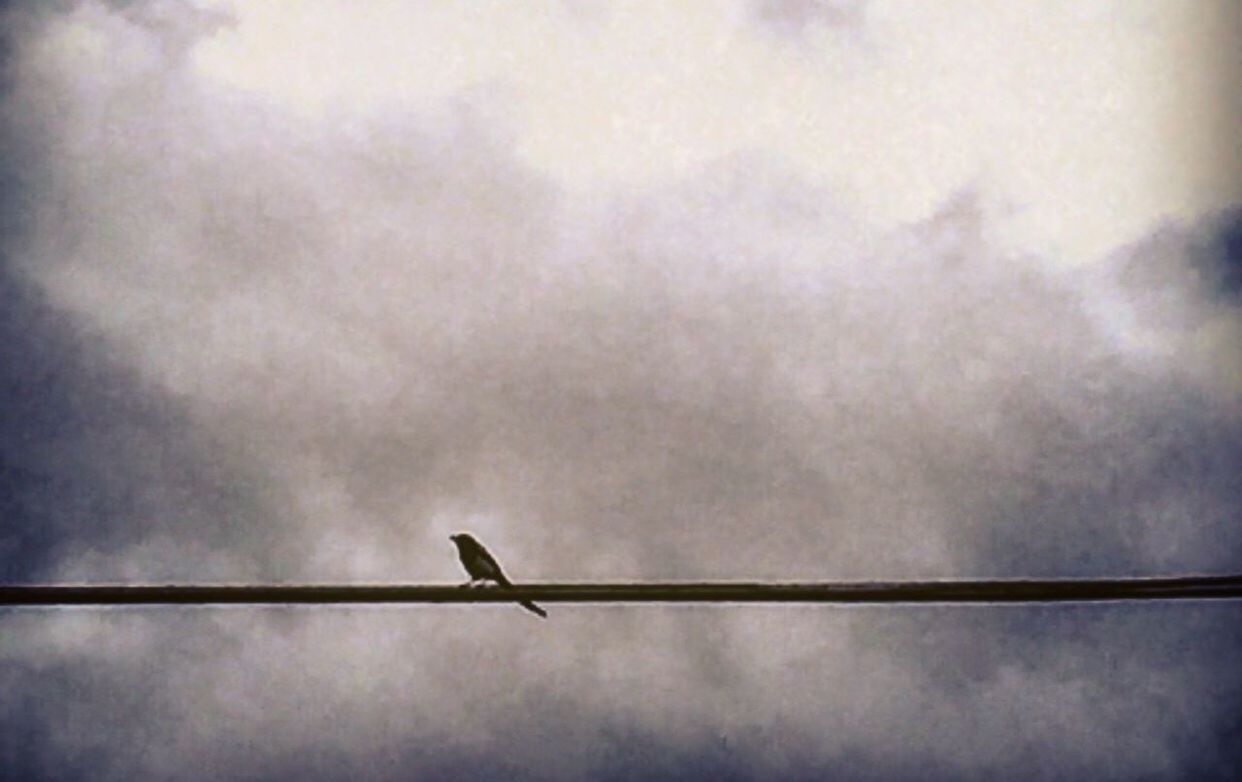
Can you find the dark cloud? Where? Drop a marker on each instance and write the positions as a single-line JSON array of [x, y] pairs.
[[242, 344], [1229, 255], [94, 461]]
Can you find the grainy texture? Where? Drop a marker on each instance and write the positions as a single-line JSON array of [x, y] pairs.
[[760, 291]]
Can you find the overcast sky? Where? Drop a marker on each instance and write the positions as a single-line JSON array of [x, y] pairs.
[[782, 289]]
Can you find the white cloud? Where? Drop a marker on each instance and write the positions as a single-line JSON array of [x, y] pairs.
[[1091, 121]]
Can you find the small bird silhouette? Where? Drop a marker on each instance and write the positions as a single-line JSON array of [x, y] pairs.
[[482, 566]]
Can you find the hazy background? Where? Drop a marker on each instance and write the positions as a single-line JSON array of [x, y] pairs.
[[769, 290]]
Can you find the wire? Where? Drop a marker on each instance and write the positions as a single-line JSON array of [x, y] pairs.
[[961, 591]]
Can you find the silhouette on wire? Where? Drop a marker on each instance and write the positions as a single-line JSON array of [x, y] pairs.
[[482, 566]]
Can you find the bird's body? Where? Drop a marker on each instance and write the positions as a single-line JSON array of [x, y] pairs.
[[482, 566]]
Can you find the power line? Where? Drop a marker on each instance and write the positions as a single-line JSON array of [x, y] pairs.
[[975, 591]]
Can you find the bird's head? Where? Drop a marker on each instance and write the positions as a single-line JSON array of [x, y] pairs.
[[461, 538]]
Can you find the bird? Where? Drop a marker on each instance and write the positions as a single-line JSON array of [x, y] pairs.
[[482, 566]]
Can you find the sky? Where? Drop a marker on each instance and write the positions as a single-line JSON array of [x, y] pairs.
[[767, 290]]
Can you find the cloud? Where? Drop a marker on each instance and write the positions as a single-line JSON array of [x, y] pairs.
[[1089, 122], [795, 16], [247, 341]]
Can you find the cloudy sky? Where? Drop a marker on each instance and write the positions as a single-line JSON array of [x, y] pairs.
[[780, 289]]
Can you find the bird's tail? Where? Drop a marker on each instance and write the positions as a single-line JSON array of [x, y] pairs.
[[528, 605], [534, 609]]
